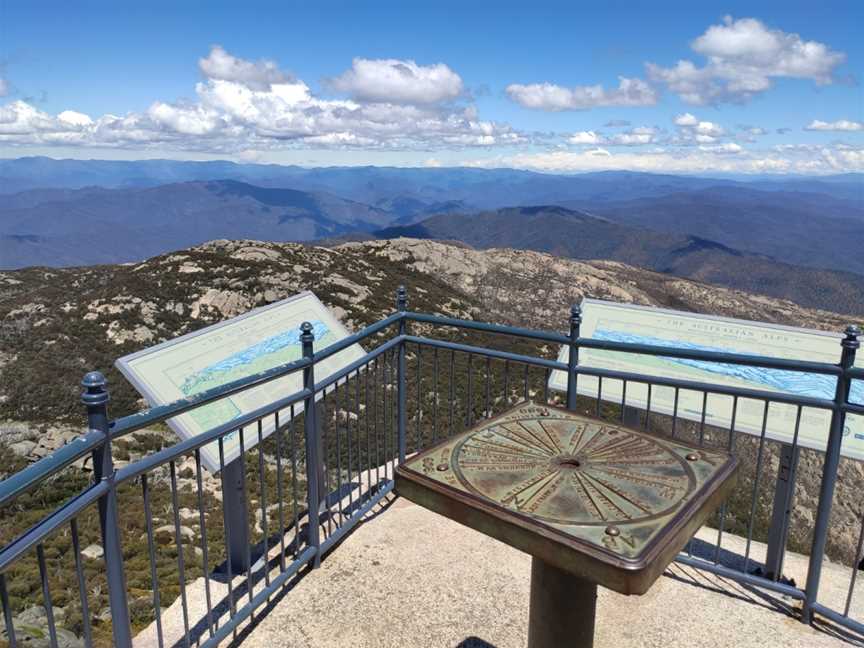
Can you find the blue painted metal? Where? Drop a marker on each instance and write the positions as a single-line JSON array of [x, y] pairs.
[[95, 397], [401, 387], [313, 440], [103, 491], [573, 357], [850, 345]]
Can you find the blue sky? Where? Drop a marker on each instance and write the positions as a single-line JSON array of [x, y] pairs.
[[732, 87]]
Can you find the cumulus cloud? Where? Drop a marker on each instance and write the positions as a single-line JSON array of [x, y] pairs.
[[730, 158], [685, 120], [258, 75], [395, 81], [548, 96], [839, 125], [243, 106], [743, 58], [639, 136]]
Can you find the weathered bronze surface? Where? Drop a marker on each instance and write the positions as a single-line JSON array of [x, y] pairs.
[[602, 501]]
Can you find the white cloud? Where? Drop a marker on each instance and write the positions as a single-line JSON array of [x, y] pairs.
[[548, 96], [686, 120], [839, 125], [259, 75], [253, 106], [638, 136], [728, 158], [743, 57], [585, 137], [395, 81]]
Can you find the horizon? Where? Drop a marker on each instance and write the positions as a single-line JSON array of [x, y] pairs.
[[708, 90]]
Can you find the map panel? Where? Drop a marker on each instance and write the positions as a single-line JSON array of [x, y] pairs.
[[259, 340], [659, 327]]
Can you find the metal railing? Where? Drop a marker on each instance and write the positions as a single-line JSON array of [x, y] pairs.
[[330, 459]]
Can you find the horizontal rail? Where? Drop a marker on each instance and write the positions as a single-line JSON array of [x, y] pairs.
[[370, 330], [360, 362], [64, 456], [340, 533], [856, 372], [127, 424], [483, 351], [840, 619], [545, 336], [641, 349], [227, 627], [743, 392], [852, 408], [141, 466], [734, 574], [38, 531]]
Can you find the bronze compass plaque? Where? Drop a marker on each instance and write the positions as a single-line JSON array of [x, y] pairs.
[[604, 502]]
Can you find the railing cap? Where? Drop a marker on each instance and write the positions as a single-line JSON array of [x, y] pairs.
[[95, 389]]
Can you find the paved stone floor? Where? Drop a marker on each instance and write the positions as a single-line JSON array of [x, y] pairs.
[[408, 578]]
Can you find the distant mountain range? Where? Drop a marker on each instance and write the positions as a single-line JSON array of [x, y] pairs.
[[576, 235], [756, 235]]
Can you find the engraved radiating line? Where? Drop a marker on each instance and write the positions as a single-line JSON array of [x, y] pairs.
[[544, 488], [598, 437], [531, 441], [531, 482], [551, 438], [590, 497], [536, 438], [607, 498], [615, 445], [576, 440], [512, 450], [519, 439], [496, 462], [620, 494], [646, 477]]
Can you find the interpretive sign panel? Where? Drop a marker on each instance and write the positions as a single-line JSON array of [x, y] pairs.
[[659, 327], [259, 340]]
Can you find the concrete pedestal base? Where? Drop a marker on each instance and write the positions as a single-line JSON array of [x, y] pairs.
[[562, 608]]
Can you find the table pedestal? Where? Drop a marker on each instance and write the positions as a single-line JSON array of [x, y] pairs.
[[562, 608]]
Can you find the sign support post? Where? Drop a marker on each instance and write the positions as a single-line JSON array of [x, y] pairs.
[[783, 493]]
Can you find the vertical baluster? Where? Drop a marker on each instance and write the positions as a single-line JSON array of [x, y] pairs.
[[623, 399], [858, 556], [338, 498], [262, 481], [506, 384], [452, 389], [7, 613], [348, 447], [242, 460], [757, 478], [378, 443], [546, 375], [295, 497], [82, 585], [205, 556], [722, 524], [648, 408], [227, 534], [327, 463], [526, 390], [675, 414], [151, 550], [279, 432], [488, 387], [46, 595], [178, 540], [435, 403], [419, 386], [702, 421], [469, 413], [599, 394]]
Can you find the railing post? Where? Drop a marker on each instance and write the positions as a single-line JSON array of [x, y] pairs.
[[573, 357], [850, 345], [402, 390], [311, 436], [95, 397]]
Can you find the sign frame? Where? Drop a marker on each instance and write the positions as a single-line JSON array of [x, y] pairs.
[[812, 418], [129, 366]]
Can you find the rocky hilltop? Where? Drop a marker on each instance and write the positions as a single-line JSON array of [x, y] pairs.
[[56, 324]]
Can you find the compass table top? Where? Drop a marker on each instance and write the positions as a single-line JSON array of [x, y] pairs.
[[607, 503]]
